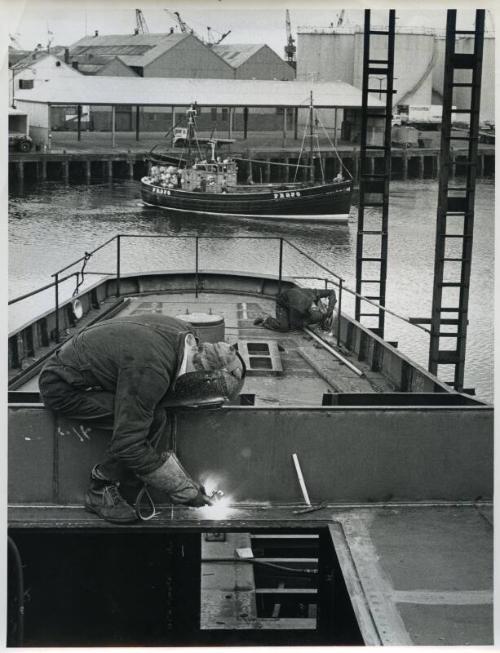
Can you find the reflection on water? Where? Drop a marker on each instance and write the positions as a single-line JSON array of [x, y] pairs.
[[51, 225]]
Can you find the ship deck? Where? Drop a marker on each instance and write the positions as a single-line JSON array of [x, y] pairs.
[[306, 371], [399, 482]]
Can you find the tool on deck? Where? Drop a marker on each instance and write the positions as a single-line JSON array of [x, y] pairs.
[[305, 494]]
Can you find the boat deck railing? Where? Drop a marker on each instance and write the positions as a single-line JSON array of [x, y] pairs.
[[116, 241]]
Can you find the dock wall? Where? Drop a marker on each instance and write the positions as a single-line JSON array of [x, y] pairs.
[[406, 163]]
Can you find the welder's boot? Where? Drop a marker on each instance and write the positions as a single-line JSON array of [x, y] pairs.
[[174, 480], [104, 498]]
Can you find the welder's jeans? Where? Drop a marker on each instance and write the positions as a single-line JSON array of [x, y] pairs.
[[96, 406]]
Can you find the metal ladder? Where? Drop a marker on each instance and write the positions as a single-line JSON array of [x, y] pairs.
[[368, 283], [452, 270]]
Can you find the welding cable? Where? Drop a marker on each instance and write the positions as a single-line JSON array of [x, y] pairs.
[[19, 590], [144, 493], [256, 561]]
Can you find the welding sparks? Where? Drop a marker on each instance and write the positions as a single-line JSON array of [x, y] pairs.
[[219, 510]]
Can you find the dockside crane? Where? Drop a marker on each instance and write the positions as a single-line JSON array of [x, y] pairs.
[[141, 27], [290, 48], [186, 29], [340, 18]]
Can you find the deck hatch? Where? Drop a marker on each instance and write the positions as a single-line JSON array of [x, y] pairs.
[[261, 356]]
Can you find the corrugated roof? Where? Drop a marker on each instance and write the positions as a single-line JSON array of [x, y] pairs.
[[236, 54], [155, 91], [134, 49]]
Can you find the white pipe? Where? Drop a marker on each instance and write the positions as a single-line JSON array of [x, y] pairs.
[[333, 352], [301, 479]]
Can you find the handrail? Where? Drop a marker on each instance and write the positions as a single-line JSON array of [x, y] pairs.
[[340, 281], [34, 292]]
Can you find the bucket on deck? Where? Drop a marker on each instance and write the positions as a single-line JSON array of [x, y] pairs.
[[210, 328]]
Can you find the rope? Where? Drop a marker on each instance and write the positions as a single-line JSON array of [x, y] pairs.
[[334, 148], [81, 277]]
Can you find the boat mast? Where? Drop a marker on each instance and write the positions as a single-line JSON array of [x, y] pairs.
[[191, 113], [311, 136]]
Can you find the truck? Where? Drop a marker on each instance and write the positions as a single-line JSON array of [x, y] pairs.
[[19, 138]]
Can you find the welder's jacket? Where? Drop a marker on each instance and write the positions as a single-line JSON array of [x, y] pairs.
[[137, 358], [298, 301]]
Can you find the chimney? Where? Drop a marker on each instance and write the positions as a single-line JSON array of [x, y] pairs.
[[96, 33], [66, 55], [75, 64]]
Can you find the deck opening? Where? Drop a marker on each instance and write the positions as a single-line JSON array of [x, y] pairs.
[[146, 587]]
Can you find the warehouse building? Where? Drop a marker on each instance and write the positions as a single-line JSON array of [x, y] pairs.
[[151, 55], [119, 104], [254, 61]]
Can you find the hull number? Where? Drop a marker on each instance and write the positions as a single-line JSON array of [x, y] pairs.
[[286, 194], [160, 191]]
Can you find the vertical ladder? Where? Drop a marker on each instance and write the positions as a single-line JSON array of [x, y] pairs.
[[374, 188], [455, 212]]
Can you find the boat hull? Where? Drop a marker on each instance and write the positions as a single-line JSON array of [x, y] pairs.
[[325, 203]]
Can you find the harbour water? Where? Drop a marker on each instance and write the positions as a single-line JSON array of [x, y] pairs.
[[51, 225]]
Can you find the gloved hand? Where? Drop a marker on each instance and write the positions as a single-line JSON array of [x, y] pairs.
[[201, 499], [326, 322]]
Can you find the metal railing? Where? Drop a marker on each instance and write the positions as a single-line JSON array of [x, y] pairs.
[[335, 279]]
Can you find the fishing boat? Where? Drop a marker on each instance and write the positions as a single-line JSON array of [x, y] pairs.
[[358, 486], [207, 184]]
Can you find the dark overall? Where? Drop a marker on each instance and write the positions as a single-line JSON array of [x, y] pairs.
[[115, 374], [292, 308]]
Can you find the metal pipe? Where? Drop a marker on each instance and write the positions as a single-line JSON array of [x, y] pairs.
[[339, 312], [118, 266], [19, 590], [301, 479], [280, 274], [196, 263], [56, 283], [332, 351]]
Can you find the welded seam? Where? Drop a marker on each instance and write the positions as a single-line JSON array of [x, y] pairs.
[[428, 597], [378, 589]]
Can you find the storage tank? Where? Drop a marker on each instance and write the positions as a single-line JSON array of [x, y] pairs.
[[461, 97], [414, 58], [325, 54]]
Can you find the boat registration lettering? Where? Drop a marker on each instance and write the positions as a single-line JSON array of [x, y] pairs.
[[161, 191], [281, 195]]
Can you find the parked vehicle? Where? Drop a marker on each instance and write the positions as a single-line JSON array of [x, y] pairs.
[[19, 138]]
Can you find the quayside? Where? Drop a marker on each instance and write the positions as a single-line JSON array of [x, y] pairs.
[[393, 547]]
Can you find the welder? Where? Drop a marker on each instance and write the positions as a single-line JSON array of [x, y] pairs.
[[297, 308], [119, 374]]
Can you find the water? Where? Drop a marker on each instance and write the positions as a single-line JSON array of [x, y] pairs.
[[51, 225]]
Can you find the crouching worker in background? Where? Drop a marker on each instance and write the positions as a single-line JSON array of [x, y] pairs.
[[117, 374], [297, 308]]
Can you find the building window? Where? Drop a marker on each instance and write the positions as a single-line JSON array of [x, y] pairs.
[[25, 83], [213, 113], [225, 114]]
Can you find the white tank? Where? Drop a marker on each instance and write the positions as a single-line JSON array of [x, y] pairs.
[[414, 57]]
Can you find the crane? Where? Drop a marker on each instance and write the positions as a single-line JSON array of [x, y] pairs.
[[141, 27], [340, 18], [290, 48], [186, 29]]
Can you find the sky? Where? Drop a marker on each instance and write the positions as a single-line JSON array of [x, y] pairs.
[[30, 21]]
